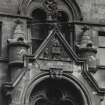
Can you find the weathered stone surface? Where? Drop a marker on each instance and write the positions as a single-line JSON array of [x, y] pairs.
[[92, 11], [9, 6]]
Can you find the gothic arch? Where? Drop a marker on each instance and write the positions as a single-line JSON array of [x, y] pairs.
[[75, 9], [72, 5], [67, 8], [83, 93]]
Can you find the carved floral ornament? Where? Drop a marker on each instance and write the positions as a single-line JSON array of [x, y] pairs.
[[50, 6]]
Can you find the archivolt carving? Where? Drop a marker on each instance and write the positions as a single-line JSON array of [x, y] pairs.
[[71, 4], [39, 94]]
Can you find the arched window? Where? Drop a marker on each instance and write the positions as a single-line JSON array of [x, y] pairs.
[[52, 11], [63, 19], [38, 28]]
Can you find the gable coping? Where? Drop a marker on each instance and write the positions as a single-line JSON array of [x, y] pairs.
[[59, 35]]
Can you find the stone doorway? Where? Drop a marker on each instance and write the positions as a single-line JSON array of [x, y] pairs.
[[56, 92]]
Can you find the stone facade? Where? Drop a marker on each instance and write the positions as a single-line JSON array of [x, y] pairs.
[[52, 52]]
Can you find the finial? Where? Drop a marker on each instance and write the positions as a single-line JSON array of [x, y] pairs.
[[18, 32]]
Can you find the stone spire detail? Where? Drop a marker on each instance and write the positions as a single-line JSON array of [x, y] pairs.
[[17, 46], [87, 49], [85, 40], [18, 31]]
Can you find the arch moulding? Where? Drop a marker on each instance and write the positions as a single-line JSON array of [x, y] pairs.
[[71, 5], [43, 76]]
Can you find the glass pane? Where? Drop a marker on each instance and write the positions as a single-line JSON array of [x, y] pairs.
[[101, 56]]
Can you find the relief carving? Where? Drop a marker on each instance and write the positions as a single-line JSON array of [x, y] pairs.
[[51, 7], [55, 51]]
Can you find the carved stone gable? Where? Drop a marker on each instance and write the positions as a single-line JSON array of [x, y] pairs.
[[55, 47], [56, 56], [55, 50]]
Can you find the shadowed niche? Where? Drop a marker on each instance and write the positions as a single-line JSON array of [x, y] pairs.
[[56, 92]]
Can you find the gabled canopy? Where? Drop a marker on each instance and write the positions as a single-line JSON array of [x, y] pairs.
[[48, 41]]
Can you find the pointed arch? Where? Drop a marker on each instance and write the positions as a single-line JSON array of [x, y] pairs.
[[74, 7]]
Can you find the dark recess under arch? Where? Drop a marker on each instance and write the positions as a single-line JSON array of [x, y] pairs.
[[56, 92]]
